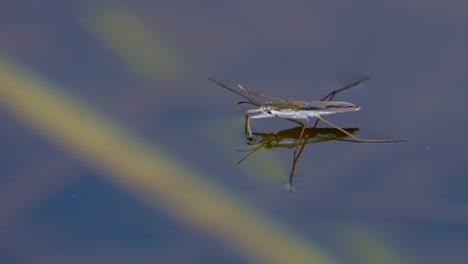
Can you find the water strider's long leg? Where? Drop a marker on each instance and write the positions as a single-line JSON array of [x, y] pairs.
[[240, 92], [247, 125], [300, 135], [254, 113], [358, 139], [247, 120], [295, 159], [346, 87]]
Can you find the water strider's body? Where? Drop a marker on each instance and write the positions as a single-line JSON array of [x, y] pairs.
[[301, 110]]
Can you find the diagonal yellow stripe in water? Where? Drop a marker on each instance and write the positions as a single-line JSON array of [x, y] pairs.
[[147, 172]]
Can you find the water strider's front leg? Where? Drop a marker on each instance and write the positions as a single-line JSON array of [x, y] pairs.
[[254, 113]]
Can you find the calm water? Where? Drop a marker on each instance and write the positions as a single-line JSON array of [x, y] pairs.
[[360, 203]]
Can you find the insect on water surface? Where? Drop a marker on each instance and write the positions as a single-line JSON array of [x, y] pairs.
[[300, 110]]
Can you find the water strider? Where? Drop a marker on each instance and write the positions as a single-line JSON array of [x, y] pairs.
[[300, 110]]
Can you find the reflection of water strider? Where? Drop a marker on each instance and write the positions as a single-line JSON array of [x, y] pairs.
[[288, 138], [300, 110]]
